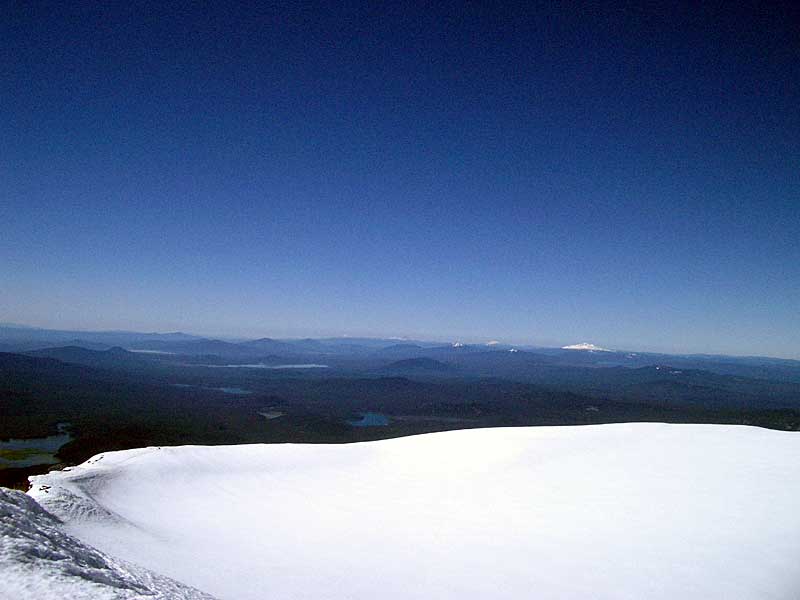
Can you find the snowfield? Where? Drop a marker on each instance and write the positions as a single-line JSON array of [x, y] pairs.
[[38, 560], [630, 511]]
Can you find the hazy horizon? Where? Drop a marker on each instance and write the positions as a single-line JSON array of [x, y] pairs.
[[419, 336]]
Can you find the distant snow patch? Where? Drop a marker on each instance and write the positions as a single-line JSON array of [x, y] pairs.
[[586, 346]]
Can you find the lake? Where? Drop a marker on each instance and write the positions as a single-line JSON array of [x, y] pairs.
[[34, 451], [225, 390], [263, 366], [370, 420]]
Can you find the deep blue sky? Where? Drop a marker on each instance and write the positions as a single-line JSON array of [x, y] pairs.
[[549, 175]]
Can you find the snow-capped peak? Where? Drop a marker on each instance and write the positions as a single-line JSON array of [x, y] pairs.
[[586, 346]]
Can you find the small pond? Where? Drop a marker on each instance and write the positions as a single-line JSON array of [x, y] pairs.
[[370, 419]]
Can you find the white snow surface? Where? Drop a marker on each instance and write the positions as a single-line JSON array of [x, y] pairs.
[[586, 346], [38, 560], [628, 511]]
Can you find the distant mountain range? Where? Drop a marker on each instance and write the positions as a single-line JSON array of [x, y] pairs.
[[114, 357], [494, 359], [22, 334]]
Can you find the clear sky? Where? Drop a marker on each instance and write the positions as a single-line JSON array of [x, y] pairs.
[[445, 170]]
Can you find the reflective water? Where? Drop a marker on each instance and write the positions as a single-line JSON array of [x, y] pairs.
[[33, 451], [370, 420]]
